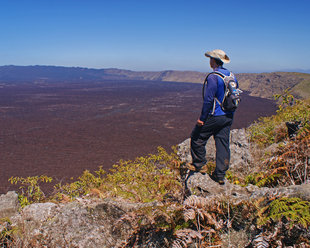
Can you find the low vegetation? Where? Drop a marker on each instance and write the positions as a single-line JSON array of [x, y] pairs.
[[267, 222], [289, 163], [270, 130]]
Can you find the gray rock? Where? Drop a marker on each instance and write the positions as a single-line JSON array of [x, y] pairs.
[[203, 185], [239, 147], [9, 204], [301, 191], [183, 151], [82, 223]]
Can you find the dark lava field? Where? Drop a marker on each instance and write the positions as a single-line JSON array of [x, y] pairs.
[[62, 129]]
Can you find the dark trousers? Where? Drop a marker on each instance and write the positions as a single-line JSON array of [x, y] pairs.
[[219, 127]]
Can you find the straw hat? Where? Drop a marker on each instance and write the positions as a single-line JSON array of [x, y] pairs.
[[218, 54]]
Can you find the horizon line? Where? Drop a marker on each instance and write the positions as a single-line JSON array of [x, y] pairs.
[[306, 71]]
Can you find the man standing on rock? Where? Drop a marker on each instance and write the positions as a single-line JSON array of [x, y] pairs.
[[213, 120]]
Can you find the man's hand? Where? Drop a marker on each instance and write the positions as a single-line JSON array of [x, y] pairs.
[[200, 123]]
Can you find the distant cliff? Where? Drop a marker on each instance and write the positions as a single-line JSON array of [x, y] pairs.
[[258, 84], [56, 73], [267, 84]]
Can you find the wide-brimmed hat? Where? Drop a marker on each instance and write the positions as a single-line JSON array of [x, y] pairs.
[[218, 54]]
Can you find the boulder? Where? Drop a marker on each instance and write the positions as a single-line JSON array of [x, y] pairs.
[[202, 185], [239, 148], [9, 204], [82, 223]]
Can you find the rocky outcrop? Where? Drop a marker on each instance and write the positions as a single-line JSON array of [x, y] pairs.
[[239, 148], [9, 204], [76, 224], [203, 185], [83, 223], [92, 222]]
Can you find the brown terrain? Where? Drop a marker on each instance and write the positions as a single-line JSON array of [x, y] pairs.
[[263, 85], [61, 129]]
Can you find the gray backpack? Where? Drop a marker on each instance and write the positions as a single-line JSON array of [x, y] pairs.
[[232, 92]]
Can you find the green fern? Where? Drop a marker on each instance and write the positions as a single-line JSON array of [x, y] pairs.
[[294, 210], [83, 185], [262, 179], [144, 179]]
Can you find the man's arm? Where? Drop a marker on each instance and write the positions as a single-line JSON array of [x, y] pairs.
[[208, 102]]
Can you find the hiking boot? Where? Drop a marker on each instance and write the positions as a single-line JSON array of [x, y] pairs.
[[191, 167], [202, 170], [216, 179]]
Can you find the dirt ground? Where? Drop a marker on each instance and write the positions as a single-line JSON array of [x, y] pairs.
[[61, 129]]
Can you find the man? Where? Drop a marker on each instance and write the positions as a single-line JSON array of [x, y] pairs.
[[213, 120]]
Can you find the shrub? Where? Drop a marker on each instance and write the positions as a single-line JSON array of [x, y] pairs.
[[145, 179], [30, 189], [85, 183], [268, 130]]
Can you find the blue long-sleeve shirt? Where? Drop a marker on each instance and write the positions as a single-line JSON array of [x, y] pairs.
[[215, 88]]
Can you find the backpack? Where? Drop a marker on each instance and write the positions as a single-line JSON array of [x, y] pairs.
[[231, 97]]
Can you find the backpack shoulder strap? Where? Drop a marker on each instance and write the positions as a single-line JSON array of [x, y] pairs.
[[219, 74], [230, 77], [204, 83]]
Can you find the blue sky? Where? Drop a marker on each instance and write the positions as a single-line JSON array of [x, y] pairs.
[[258, 35]]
